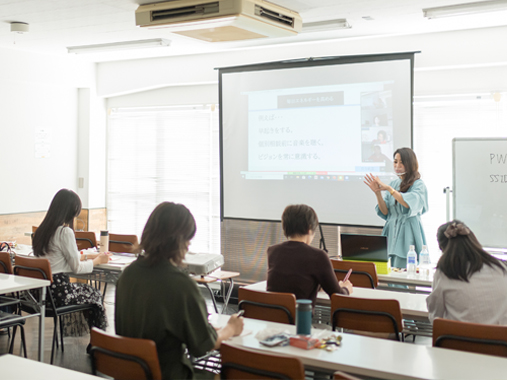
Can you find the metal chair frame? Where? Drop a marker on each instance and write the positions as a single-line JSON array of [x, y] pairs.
[[442, 338], [52, 310], [253, 371], [369, 312], [269, 306], [358, 272], [117, 355]]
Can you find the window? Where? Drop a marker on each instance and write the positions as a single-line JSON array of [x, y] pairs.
[[161, 154], [436, 123]]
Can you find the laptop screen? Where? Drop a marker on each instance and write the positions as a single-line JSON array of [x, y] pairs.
[[364, 247]]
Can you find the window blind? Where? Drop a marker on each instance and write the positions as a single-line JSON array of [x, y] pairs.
[[158, 154]]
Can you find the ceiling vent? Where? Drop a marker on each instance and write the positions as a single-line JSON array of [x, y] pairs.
[[222, 20]]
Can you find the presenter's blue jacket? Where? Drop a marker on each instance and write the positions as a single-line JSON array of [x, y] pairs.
[[403, 226]]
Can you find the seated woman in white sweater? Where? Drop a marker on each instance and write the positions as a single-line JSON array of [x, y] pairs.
[[469, 285], [54, 240]]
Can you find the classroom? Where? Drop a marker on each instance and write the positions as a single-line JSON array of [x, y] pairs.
[[68, 120]]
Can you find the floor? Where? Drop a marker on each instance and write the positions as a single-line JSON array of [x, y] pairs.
[[75, 357]]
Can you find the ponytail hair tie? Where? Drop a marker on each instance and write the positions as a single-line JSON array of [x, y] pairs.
[[454, 229]]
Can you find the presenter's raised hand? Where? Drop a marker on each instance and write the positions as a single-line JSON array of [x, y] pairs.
[[375, 183], [372, 182]]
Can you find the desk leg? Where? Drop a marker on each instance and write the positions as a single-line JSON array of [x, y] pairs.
[[42, 316], [228, 295], [212, 297]]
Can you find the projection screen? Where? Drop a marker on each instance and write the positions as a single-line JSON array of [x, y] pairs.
[[307, 131]]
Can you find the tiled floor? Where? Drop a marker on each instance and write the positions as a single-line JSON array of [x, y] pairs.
[[74, 357]]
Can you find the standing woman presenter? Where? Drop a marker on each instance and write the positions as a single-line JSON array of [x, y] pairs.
[[405, 199]]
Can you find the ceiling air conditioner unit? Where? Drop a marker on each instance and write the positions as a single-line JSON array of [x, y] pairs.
[[221, 20]]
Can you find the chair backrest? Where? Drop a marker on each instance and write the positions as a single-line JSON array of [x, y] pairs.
[[364, 274], [124, 358], [123, 243], [267, 306], [471, 337], [85, 240], [5, 263], [33, 267], [34, 228], [363, 314], [240, 363]]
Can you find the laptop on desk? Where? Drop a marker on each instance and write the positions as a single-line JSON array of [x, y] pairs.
[[364, 247]]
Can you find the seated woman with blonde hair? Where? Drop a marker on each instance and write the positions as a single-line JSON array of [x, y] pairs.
[[469, 285]]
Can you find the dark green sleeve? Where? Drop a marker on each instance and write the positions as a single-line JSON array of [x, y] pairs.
[[199, 335]]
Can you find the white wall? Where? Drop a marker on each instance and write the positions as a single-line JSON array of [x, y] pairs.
[[38, 91], [450, 62], [42, 91]]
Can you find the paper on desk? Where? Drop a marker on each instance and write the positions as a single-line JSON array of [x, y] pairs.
[[120, 260]]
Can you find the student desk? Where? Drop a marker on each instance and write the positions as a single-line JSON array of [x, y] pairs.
[[111, 271], [222, 276], [413, 306], [10, 283], [377, 358], [401, 278], [15, 367]]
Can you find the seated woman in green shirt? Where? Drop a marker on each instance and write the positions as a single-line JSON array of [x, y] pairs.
[[156, 300]]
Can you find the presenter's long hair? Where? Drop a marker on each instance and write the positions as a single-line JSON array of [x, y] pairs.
[[409, 160], [167, 233], [64, 207], [462, 254]]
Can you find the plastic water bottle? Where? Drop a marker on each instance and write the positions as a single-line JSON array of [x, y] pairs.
[[424, 262], [411, 262]]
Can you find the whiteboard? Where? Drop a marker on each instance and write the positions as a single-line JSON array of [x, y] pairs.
[[480, 187]]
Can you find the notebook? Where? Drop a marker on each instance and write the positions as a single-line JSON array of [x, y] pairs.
[[364, 247]]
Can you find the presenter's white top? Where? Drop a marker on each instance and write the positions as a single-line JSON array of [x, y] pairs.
[[63, 254], [481, 300]]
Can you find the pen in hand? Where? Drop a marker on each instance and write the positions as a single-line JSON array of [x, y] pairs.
[[347, 275]]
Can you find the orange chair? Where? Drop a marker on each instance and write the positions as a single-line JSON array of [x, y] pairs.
[[85, 240], [364, 274], [240, 363], [471, 337], [5, 263], [123, 243], [124, 358], [40, 268], [370, 315], [267, 306]]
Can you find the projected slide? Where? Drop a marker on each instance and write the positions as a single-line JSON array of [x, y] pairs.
[[319, 133], [309, 134]]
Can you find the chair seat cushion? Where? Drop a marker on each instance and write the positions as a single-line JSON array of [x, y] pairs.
[[10, 319]]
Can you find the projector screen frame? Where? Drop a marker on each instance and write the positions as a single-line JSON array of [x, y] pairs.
[[303, 63]]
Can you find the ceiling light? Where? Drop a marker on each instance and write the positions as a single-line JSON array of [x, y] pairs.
[[19, 27], [465, 9], [127, 45], [325, 25]]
